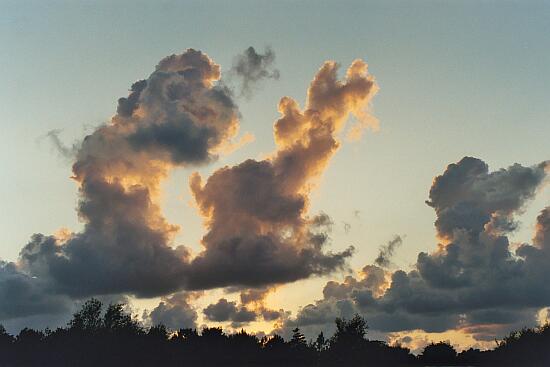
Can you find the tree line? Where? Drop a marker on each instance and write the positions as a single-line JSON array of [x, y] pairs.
[[108, 336]]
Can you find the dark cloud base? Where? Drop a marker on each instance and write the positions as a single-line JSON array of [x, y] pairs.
[[474, 278]]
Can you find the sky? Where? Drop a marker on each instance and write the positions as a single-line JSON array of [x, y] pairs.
[[445, 80]]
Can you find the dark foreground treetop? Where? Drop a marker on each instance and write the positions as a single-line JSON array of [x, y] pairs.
[[111, 337]]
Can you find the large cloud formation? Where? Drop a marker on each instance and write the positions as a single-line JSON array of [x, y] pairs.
[[176, 117], [259, 229], [475, 280]]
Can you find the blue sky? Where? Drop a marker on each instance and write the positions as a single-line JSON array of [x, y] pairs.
[[456, 78]]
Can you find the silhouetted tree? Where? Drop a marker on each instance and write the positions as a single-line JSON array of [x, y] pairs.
[[350, 330], [350, 334], [348, 344], [275, 342], [441, 353], [6, 345], [470, 357], [276, 352], [526, 347], [321, 343], [5, 339], [88, 319], [29, 345], [298, 340], [116, 320], [244, 347], [188, 334], [158, 332]]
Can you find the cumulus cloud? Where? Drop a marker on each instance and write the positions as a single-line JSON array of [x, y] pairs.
[[255, 295], [224, 310], [252, 308], [474, 278], [24, 295], [175, 312], [468, 197], [542, 234], [251, 67], [259, 230], [178, 116], [256, 213]]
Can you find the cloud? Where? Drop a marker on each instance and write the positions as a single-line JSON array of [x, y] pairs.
[[251, 67], [127, 105], [224, 310], [64, 150], [23, 295], [175, 312], [255, 299], [259, 230], [252, 308], [255, 295], [473, 278], [542, 234], [347, 227], [256, 213], [386, 252], [178, 116], [468, 197]]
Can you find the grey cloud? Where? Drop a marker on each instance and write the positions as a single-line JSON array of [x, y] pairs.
[[38, 321], [347, 227], [254, 295], [185, 141], [251, 67], [542, 235], [466, 196], [220, 311], [373, 280], [259, 230], [271, 315], [244, 315], [175, 117], [127, 105], [475, 278], [117, 252], [23, 295], [64, 150], [386, 252], [224, 310], [229, 311], [175, 312], [502, 316]]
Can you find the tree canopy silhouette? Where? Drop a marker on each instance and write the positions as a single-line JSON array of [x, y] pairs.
[[99, 335], [441, 353]]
